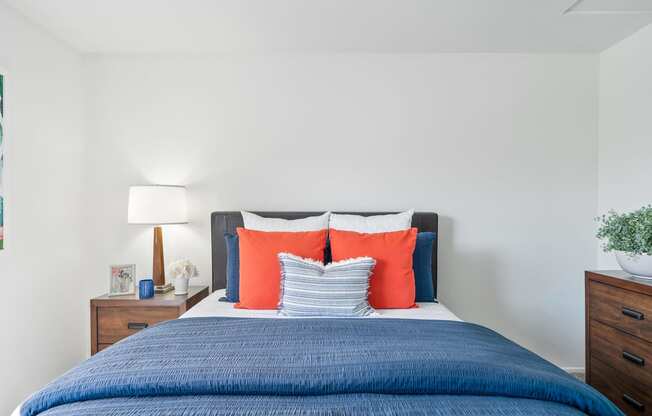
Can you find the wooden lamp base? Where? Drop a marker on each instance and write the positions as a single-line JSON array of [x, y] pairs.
[[158, 267]]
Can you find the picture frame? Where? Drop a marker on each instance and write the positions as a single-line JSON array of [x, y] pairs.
[[122, 279]]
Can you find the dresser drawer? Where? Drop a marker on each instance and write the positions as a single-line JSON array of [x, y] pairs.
[[623, 390], [623, 352], [620, 308], [114, 324]]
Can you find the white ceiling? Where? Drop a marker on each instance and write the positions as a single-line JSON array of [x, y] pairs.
[[241, 26]]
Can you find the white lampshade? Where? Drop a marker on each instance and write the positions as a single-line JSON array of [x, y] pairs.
[[157, 204]]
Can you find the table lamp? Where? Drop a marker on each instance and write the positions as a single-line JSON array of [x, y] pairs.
[[157, 205]]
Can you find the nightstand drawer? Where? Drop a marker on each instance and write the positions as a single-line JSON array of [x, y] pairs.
[[103, 347], [114, 324], [622, 309], [623, 352], [115, 318], [623, 390]]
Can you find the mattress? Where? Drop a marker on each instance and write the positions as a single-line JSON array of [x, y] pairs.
[[211, 306]]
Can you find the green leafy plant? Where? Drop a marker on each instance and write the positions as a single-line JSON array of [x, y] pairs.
[[630, 232]]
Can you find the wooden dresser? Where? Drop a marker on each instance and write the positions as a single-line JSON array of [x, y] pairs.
[[116, 317], [619, 339]]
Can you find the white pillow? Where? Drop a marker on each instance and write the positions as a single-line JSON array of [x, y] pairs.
[[258, 223], [372, 224]]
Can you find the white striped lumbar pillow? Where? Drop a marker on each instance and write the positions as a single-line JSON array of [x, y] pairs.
[[311, 289]]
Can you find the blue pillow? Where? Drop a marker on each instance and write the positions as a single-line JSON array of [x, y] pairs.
[[232, 267], [422, 265]]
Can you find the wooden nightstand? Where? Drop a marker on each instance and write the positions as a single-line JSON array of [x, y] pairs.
[[619, 339], [116, 317]]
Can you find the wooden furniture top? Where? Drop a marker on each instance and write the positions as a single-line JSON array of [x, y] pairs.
[[621, 279], [160, 299]]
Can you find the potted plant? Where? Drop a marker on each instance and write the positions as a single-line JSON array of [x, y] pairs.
[[182, 271], [630, 236]]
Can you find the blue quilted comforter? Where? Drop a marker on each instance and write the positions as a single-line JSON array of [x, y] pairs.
[[224, 366]]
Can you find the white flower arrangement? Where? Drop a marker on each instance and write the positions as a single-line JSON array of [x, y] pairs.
[[182, 268]]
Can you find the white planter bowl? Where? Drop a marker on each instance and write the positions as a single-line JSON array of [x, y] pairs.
[[637, 266]]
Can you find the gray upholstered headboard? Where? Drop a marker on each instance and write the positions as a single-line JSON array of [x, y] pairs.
[[227, 222]]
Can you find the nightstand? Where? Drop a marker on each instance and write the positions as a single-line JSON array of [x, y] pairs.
[[619, 339], [116, 317]]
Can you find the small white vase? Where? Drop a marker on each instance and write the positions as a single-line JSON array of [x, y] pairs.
[[181, 286], [637, 266]]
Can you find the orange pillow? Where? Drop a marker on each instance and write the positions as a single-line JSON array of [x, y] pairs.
[[392, 282], [260, 271]]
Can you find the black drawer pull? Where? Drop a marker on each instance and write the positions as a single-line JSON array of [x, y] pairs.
[[633, 402], [633, 358], [137, 325], [633, 314]]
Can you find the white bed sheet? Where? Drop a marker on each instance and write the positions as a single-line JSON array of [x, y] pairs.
[[211, 306]]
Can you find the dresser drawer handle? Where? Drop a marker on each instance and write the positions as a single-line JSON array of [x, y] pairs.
[[633, 314], [633, 358], [633, 402], [137, 325]]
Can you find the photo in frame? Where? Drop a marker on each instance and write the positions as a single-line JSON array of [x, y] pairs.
[[122, 279]]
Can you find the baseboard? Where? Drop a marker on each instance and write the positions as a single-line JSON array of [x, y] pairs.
[[578, 372], [573, 369]]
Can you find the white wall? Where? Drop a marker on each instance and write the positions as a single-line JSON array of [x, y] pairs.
[[502, 146], [625, 143], [43, 307]]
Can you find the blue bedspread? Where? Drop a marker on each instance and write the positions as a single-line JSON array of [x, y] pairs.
[[216, 366]]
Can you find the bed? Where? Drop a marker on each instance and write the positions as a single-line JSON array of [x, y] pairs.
[[217, 360], [211, 306]]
